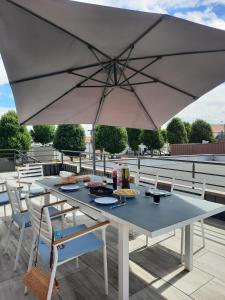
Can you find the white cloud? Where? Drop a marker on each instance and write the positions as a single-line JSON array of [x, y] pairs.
[[3, 110], [206, 17], [3, 75], [210, 107]]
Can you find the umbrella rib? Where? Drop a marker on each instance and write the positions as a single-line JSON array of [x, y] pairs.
[[93, 79], [101, 102], [149, 29], [142, 69], [60, 97], [56, 73], [138, 83], [173, 54], [140, 102], [126, 62], [100, 62], [57, 26], [162, 82]]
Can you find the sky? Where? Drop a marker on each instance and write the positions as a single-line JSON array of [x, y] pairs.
[[211, 106]]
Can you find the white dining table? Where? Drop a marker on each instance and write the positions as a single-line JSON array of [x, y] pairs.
[[143, 216]]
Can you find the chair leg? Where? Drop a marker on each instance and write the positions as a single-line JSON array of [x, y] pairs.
[[5, 210], [19, 246], [105, 262], [77, 262], [146, 240], [203, 233], [8, 235], [33, 246], [182, 246], [52, 280]]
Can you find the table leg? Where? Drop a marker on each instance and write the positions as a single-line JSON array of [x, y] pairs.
[[123, 262], [188, 258]]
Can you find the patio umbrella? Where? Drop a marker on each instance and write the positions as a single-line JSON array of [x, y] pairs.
[[71, 62]]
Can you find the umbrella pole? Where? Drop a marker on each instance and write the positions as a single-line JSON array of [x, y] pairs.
[[93, 148]]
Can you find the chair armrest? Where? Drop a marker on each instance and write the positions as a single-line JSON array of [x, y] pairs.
[[80, 233], [24, 182], [63, 212]]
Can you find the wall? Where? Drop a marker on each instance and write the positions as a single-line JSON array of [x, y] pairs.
[[192, 149]]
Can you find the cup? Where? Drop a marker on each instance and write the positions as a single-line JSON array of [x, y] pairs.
[[148, 193], [156, 199]]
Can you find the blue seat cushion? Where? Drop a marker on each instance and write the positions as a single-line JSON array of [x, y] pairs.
[[20, 218], [33, 190], [24, 217], [4, 198], [81, 245]]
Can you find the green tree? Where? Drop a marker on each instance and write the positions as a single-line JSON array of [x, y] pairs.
[[134, 138], [153, 139], [43, 134], [12, 134], [111, 139], [201, 130], [176, 132], [187, 126], [164, 135], [70, 137]]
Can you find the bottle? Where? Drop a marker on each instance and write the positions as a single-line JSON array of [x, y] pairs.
[[119, 175], [57, 235], [125, 177], [56, 232], [114, 177]]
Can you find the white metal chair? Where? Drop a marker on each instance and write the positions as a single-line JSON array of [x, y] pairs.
[[195, 188], [72, 243], [147, 181], [20, 217], [27, 175]]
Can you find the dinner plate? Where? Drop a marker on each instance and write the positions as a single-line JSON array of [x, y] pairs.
[[106, 200], [70, 187]]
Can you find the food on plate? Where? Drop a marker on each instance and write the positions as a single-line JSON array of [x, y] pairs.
[[96, 184], [73, 179], [126, 192]]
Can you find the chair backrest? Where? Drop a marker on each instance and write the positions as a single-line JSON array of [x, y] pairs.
[[14, 198], [189, 186], [30, 170], [40, 221], [151, 180]]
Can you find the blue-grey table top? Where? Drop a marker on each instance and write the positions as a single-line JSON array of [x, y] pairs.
[[173, 211]]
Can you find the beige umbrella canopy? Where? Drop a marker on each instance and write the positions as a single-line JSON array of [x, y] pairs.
[[71, 62]]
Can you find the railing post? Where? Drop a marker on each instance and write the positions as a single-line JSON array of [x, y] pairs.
[[193, 170], [104, 165], [62, 157], [193, 175], [80, 161]]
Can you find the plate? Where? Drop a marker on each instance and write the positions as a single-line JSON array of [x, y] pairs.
[[127, 192], [106, 200], [70, 187]]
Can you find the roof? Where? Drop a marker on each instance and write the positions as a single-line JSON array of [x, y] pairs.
[[218, 127]]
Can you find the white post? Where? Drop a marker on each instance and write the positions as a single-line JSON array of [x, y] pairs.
[[123, 262], [188, 259]]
